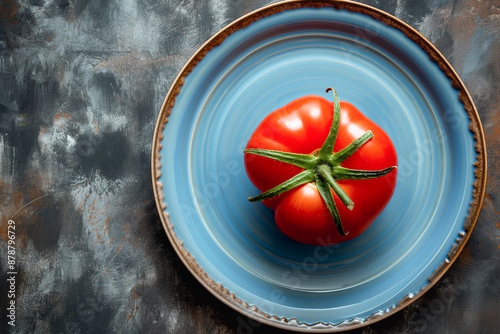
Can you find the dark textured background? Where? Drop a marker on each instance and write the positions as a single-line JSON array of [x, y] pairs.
[[81, 84]]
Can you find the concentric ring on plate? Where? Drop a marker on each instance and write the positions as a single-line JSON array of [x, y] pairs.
[[261, 62]]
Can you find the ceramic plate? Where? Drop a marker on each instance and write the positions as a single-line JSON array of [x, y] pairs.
[[265, 60]]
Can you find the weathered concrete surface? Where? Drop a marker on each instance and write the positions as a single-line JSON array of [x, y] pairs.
[[81, 83]]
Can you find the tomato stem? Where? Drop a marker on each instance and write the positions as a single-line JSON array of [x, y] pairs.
[[342, 173], [305, 161], [326, 194], [323, 168], [326, 172], [302, 178], [327, 148], [347, 151]]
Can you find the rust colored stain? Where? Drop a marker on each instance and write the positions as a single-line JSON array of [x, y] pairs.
[[21, 202], [495, 127], [465, 255], [489, 209], [98, 218], [462, 20], [51, 37], [4, 226], [134, 297], [60, 120], [488, 204], [8, 11]]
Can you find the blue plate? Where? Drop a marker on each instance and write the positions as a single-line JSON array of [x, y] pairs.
[[265, 60]]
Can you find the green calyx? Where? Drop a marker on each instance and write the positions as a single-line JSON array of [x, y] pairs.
[[322, 168]]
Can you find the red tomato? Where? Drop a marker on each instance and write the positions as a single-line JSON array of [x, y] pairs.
[[302, 127]]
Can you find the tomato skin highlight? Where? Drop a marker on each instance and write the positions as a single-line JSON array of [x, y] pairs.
[[302, 126]]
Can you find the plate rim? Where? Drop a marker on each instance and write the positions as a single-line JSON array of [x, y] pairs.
[[217, 289]]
